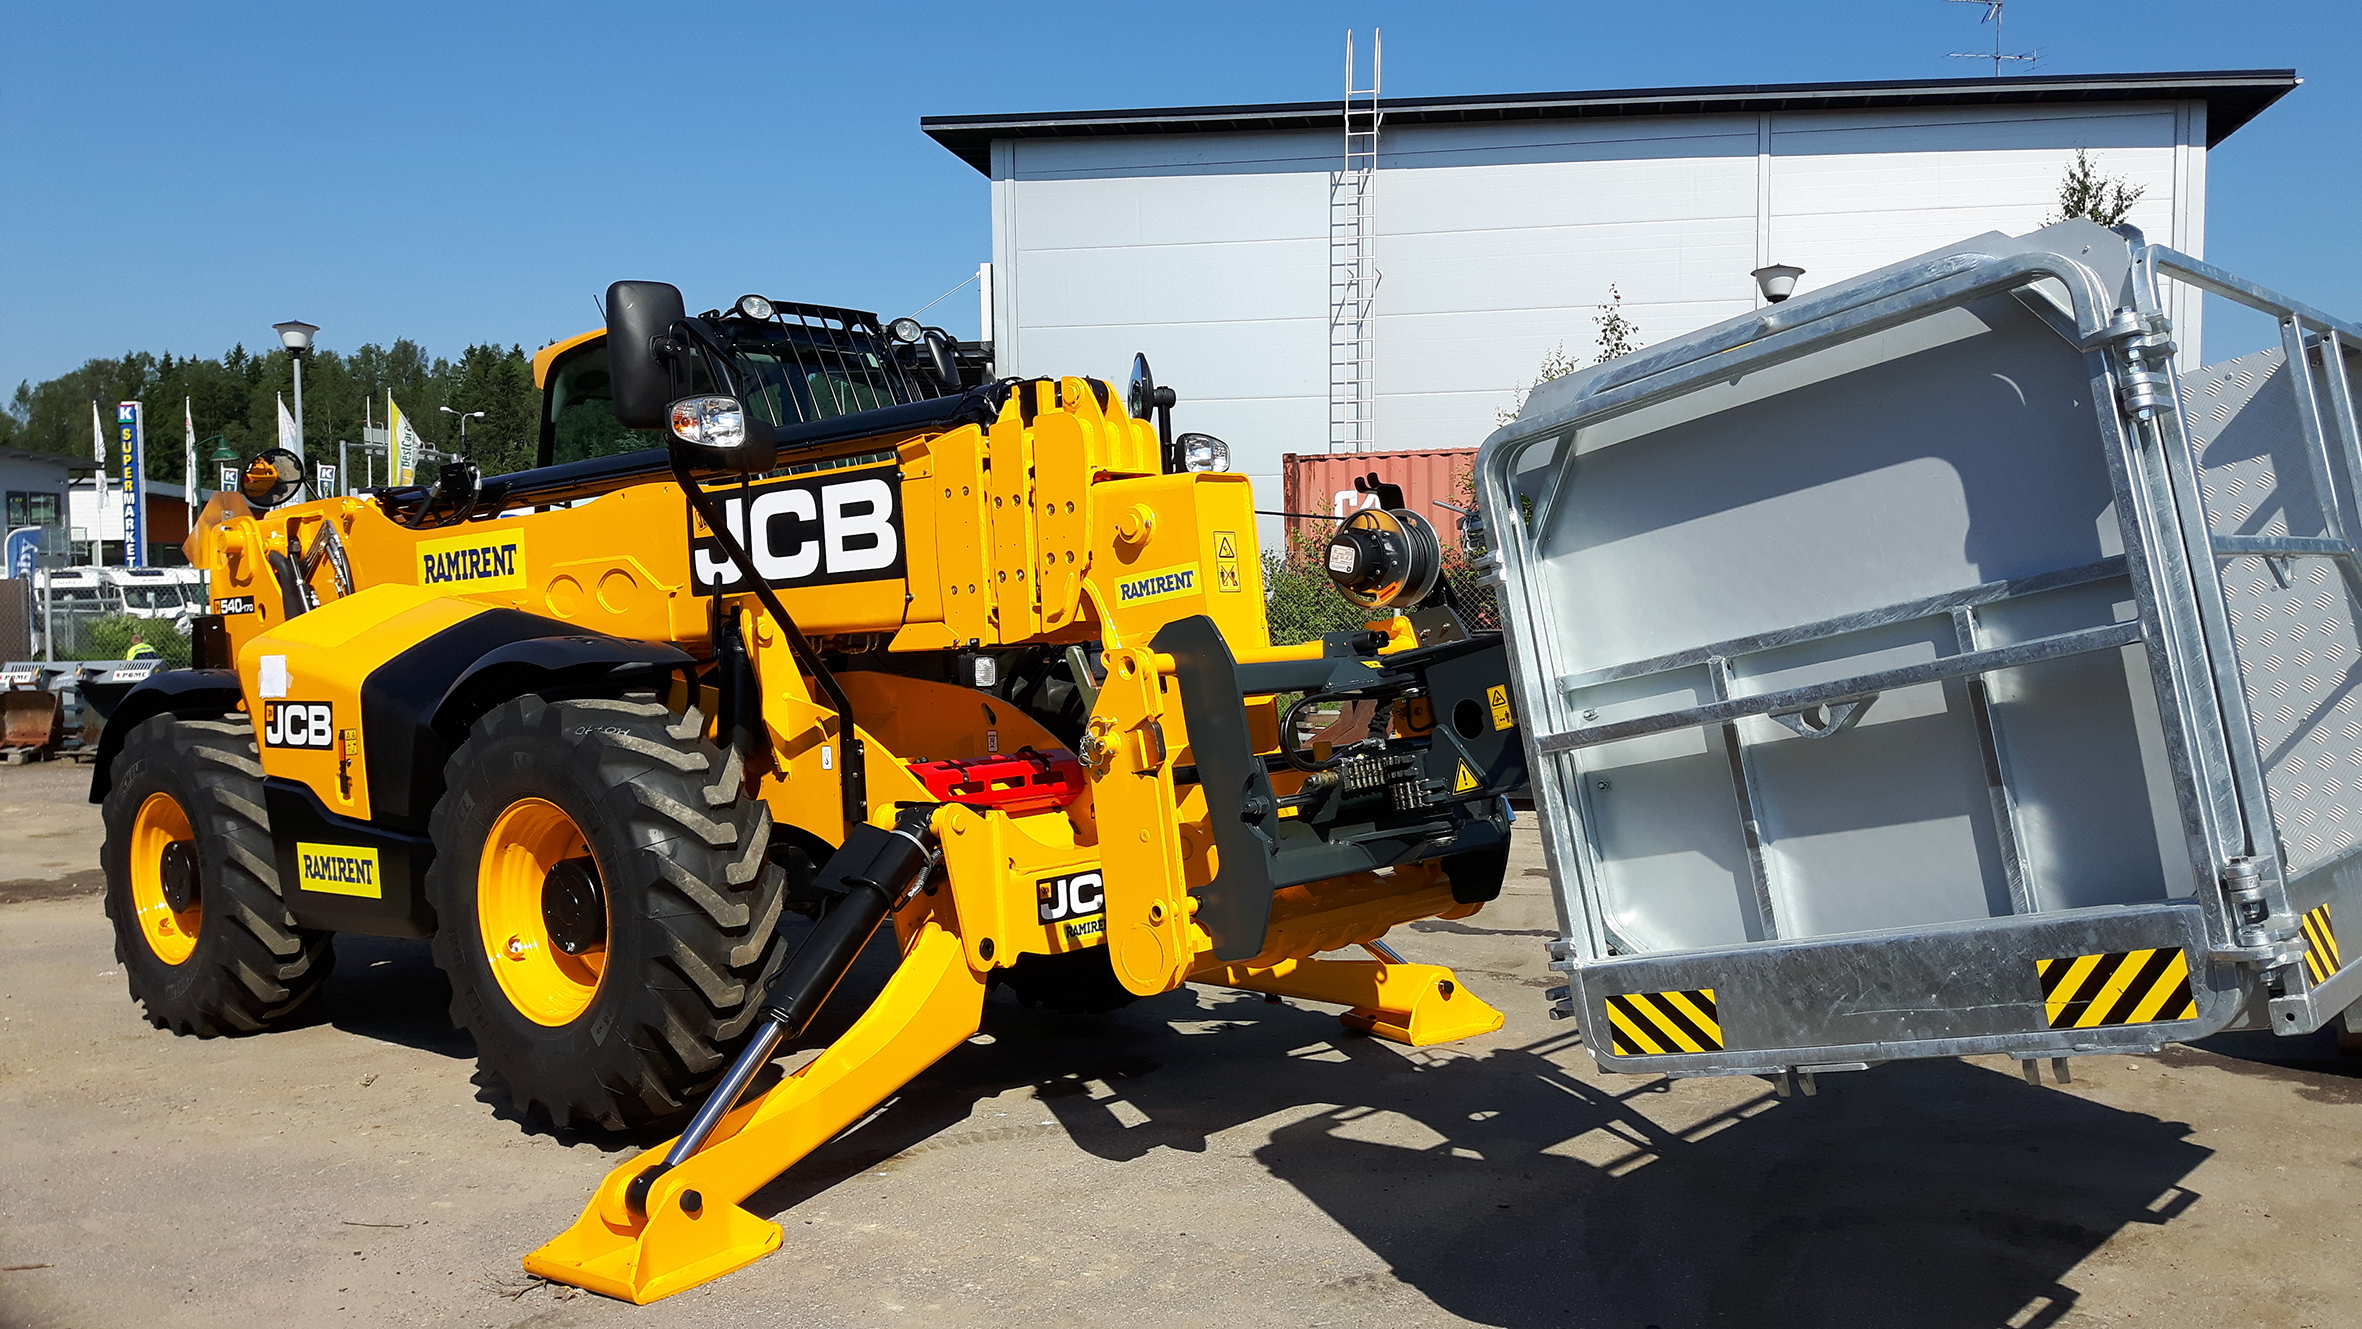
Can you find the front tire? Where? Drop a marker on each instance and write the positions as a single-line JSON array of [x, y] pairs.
[[606, 912], [205, 939]]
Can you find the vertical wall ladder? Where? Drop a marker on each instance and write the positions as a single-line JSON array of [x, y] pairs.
[[1353, 267]]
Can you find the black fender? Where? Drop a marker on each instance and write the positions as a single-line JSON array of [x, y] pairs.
[[198, 693], [416, 708]]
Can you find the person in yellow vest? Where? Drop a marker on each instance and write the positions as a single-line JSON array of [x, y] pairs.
[[140, 650]]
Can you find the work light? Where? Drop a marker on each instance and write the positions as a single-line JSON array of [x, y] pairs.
[[709, 422], [755, 307], [1203, 452]]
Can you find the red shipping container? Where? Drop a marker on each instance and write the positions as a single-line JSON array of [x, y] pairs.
[[1322, 482]]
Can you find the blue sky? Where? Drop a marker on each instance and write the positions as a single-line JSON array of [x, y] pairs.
[[179, 177]]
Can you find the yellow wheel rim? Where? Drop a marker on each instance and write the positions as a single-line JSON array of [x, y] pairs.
[[170, 933], [544, 983]]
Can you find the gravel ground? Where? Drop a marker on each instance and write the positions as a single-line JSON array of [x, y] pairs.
[[1196, 1159]]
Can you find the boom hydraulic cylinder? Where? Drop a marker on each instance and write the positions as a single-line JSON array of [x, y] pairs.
[[873, 871]]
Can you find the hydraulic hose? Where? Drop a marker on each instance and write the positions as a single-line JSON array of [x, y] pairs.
[[853, 771], [875, 869]]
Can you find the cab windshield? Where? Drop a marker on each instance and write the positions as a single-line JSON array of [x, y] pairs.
[[805, 363]]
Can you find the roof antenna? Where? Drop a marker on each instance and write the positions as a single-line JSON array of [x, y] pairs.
[[1992, 16], [600, 305]]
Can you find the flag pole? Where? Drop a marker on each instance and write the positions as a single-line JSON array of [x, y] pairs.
[[98, 454], [188, 457]]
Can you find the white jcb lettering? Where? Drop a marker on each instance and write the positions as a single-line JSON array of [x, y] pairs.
[[859, 540], [298, 724], [801, 558], [1078, 896], [1085, 894], [713, 566]]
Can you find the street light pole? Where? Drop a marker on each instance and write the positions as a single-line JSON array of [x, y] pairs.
[[296, 336], [464, 417]]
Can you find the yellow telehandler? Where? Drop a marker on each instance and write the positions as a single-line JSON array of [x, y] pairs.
[[795, 616]]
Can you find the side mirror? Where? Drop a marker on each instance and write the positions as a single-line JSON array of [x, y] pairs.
[[941, 360], [720, 431], [639, 314], [271, 478]]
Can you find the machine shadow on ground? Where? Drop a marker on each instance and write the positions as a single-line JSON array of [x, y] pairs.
[[1932, 1193]]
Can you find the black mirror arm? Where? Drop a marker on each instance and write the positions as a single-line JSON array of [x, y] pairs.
[[696, 331], [851, 773], [1163, 400]]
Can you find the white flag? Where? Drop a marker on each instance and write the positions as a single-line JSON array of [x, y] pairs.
[[98, 448], [404, 446], [188, 456], [286, 427]]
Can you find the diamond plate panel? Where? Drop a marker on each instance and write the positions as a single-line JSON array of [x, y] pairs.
[[2300, 647]]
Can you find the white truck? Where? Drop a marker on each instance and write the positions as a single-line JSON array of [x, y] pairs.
[[177, 594]]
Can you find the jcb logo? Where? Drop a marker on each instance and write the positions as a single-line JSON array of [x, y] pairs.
[[298, 724], [1077, 896], [810, 530]]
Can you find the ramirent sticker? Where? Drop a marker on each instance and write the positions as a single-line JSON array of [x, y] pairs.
[[1161, 584], [487, 561], [338, 869]]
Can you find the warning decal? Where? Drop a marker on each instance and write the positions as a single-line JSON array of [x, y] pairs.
[[2321, 957], [1498, 696], [1226, 576], [1464, 780], [1656, 1024], [2122, 987]]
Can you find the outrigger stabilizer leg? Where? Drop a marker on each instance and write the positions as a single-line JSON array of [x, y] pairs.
[[658, 1228]]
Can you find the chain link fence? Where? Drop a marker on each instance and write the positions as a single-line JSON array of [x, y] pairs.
[[1304, 604], [81, 630]]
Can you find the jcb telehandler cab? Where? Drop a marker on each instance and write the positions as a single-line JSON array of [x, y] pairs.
[[791, 620]]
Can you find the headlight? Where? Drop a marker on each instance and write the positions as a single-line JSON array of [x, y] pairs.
[[709, 422], [906, 330], [755, 306], [1203, 452]]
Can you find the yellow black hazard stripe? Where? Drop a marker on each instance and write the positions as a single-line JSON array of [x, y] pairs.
[[2321, 957], [1656, 1024], [2121, 987]]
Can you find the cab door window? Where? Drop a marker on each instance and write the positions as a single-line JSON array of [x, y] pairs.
[[578, 411]]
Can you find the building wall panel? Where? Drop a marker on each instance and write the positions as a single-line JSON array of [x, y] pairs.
[[1499, 241]]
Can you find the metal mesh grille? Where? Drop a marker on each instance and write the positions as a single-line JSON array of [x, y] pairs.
[[815, 362]]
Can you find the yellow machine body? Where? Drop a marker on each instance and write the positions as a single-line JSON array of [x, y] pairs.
[[1050, 524]]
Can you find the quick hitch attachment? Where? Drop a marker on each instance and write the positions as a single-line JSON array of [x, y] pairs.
[[874, 871]]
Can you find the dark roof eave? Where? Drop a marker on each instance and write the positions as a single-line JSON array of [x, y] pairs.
[[2232, 97]]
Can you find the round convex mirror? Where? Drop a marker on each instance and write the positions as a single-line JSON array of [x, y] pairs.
[[1140, 395], [272, 478]]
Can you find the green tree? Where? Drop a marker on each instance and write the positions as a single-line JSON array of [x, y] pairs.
[[500, 384], [236, 396], [2086, 193]]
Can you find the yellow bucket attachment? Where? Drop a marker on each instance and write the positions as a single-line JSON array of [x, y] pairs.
[[1418, 1004], [693, 1229]]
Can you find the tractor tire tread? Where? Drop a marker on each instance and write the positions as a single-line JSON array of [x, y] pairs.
[[691, 943], [252, 967]]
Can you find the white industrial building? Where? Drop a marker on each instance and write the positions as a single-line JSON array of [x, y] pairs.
[[1297, 305]]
